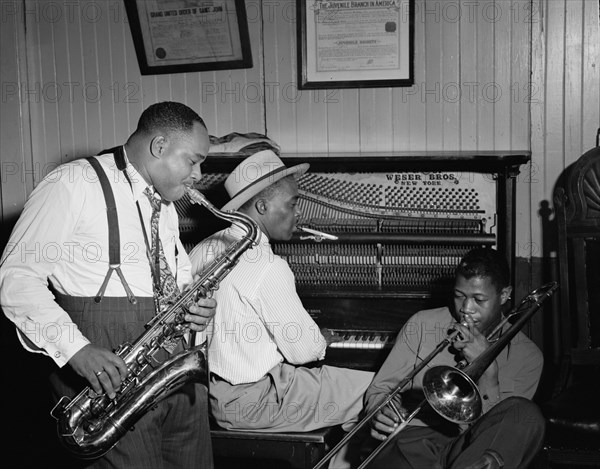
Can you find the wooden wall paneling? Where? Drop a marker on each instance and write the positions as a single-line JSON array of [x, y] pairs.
[[254, 119], [310, 108], [401, 118], [450, 76], [149, 87], [271, 59], [164, 91], [73, 112], [384, 118], [500, 93], [40, 90], [311, 114], [431, 92], [537, 112], [91, 49], [518, 91], [524, 93], [193, 94], [247, 105], [486, 77], [65, 88], [125, 92], [204, 92], [564, 54], [90, 78], [103, 86], [469, 44], [134, 92], [401, 98], [342, 119], [15, 137], [234, 103], [178, 87], [573, 80], [412, 99], [225, 95], [194, 98], [522, 90], [554, 159], [279, 31], [590, 102], [248, 111], [312, 135], [375, 123]]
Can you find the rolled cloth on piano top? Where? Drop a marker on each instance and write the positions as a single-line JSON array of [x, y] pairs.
[[242, 144]]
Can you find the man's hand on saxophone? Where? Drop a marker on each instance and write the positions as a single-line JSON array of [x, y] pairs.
[[100, 367], [200, 314], [105, 371]]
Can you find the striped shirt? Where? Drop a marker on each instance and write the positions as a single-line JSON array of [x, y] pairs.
[[259, 321]]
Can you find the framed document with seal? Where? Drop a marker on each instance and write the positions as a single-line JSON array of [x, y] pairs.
[[174, 36], [355, 44]]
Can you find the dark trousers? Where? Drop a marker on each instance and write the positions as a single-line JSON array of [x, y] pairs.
[[175, 433], [514, 428]]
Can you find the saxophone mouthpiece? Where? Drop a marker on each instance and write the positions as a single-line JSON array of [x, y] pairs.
[[315, 235], [196, 196]]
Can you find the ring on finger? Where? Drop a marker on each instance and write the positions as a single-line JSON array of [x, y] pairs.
[[98, 373]]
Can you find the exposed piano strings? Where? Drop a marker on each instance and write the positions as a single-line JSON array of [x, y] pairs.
[[399, 236]]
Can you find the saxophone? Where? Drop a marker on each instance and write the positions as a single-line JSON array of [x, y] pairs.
[[91, 424]]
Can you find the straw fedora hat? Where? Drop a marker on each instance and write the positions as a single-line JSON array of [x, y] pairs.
[[256, 173]]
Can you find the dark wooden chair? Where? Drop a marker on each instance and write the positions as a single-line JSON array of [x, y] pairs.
[[573, 413]]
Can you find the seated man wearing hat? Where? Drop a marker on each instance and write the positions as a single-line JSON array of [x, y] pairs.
[[261, 334]]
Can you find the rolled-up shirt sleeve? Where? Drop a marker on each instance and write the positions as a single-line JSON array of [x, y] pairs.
[[295, 333]]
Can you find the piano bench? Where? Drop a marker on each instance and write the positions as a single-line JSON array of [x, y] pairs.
[[234, 449]]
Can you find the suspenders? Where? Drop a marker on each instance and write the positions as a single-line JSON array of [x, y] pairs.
[[114, 239]]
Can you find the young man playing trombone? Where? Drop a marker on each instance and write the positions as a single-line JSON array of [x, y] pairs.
[[511, 429]]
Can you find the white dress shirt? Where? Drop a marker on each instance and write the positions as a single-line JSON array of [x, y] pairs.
[[259, 320], [61, 237]]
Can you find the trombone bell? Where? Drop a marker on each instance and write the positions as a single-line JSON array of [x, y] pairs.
[[452, 394]]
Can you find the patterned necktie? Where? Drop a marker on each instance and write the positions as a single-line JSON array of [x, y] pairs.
[[167, 285]]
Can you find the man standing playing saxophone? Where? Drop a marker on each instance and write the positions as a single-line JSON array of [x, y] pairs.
[[510, 432], [91, 260]]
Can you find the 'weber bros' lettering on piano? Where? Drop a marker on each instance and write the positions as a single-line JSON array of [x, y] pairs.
[[398, 225]]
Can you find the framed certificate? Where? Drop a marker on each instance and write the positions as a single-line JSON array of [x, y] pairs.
[[355, 44], [174, 36]]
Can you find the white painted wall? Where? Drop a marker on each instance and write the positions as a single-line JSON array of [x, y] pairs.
[[489, 75]]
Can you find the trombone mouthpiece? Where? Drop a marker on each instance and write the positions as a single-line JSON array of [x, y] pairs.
[[316, 235]]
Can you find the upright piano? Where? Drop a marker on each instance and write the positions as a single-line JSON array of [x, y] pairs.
[[402, 221]]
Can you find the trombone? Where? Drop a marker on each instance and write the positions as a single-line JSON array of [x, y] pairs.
[[450, 391]]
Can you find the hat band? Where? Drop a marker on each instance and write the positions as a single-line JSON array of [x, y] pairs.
[[262, 178]]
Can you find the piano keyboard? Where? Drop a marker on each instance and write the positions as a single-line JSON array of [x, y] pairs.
[[366, 340]]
